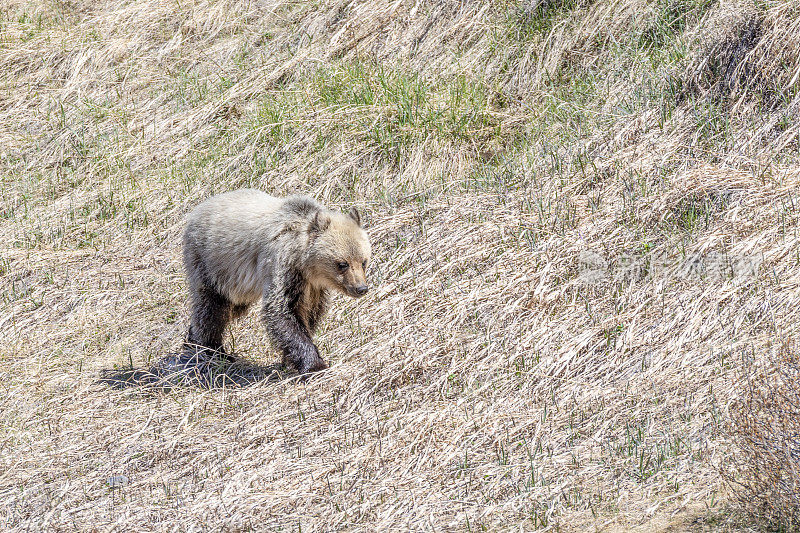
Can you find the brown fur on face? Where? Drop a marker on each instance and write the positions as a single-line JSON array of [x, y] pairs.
[[339, 254]]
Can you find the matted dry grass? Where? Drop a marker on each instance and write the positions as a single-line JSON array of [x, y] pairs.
[[584, 217], [762, 466]]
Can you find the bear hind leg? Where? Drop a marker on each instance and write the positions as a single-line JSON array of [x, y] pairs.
[[211, 313]]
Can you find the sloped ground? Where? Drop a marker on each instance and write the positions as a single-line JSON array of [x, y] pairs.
[[585, 226]]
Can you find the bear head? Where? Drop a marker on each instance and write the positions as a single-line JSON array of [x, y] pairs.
[[339, 252]]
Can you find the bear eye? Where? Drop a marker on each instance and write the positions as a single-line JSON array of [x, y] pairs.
[[364, 264], [342, 266]]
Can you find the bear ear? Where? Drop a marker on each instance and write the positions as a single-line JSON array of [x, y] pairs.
[[320, 222], [355, 215]]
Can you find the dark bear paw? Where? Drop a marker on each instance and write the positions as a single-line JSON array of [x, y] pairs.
[[307, 370]]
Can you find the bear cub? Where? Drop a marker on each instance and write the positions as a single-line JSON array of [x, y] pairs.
[[245, 245]]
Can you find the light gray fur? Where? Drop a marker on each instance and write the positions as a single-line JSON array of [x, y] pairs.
[[246, 245]]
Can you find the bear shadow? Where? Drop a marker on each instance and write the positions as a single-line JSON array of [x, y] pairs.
[[205, 371]]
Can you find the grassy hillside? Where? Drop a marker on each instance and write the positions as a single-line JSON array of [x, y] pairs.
[[584, 216]]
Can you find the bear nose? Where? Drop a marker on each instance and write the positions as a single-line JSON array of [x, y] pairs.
[[362, 290]]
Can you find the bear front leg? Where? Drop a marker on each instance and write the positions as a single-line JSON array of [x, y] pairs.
[[292, 338]]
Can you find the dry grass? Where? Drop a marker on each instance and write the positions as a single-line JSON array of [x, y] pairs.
[[762, 467], [585, 222]]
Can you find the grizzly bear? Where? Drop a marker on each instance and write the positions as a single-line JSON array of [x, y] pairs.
[[245, 245]]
